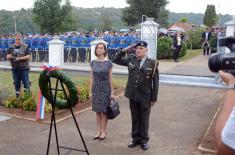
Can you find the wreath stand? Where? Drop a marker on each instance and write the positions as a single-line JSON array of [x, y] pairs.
[[53, 120]]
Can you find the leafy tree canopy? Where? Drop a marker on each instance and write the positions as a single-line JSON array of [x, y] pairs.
[[210, 17], [151, 8], [53, 16]]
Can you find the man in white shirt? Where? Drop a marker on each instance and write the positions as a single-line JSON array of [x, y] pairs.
[[206, 36]]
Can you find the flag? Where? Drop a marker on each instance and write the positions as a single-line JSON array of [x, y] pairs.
[[40, 106]]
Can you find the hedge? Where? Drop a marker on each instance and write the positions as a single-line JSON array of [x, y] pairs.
[[164, 48], [194, 38]]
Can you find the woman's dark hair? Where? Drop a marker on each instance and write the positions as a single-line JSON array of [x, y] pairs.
[[105, 49]]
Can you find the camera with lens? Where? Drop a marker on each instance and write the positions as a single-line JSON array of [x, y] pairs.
[[14, 53], [224, 61]]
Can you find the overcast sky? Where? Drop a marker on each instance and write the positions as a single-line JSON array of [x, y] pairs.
[[196, 6]]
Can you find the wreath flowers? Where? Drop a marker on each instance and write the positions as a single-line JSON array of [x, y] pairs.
[[70, 89]]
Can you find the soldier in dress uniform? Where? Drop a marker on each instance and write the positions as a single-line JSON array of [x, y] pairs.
[[141, 89]]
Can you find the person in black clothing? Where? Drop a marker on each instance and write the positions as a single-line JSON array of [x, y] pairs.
[[206, 36], [177, 45], [141, 89], [19, 56]]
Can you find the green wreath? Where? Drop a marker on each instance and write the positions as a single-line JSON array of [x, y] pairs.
[[44, 87]]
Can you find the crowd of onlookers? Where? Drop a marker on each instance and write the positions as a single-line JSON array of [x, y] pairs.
[[76, 47]]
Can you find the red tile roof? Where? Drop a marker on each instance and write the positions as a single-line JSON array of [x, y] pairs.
[[185, 26]]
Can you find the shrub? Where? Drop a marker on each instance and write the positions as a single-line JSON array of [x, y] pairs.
[[194, 38], [29, 105], [213, 44], [61, 95], [83, 91], [164, 50], [10, 102], [48, 108], [183, 50], [26, 101]]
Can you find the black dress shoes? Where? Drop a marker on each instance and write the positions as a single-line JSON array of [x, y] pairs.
[[145, 146], [132, 144]]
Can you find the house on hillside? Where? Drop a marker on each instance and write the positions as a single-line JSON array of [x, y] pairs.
[[179, 26]]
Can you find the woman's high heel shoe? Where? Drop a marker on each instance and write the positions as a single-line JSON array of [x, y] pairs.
[[97, 136], [102, 136]]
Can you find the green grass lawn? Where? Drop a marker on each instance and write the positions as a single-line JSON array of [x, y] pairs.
[[7, 87], [189, 55]]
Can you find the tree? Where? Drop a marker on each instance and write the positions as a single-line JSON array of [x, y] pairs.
[[184, 20], [194, 38], [23, 21], [70, 22], [210, 17], [106, 24], [151, 8], [51, 15]]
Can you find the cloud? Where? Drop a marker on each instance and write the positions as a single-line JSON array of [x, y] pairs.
[[195, 6], [199, 6]]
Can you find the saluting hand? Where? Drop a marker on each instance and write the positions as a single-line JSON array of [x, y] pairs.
[[129, 48]]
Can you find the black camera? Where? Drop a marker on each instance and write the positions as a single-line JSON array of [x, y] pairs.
[[224, 61], [14, 53]]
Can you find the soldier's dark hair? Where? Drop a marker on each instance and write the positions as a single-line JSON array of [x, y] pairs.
[[105, 49]]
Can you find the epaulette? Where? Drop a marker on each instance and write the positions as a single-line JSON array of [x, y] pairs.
[[154, 61]]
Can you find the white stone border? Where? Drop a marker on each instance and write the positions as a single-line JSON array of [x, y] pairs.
[[200, 147]]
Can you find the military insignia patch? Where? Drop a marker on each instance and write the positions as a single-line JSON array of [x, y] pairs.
[[148, 69], [131, 66]]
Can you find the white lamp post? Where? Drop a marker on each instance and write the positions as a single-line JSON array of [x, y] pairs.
[[230, 31], [149, 30], [56, 52]]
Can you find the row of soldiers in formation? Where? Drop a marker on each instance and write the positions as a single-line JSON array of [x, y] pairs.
[[76, 47]]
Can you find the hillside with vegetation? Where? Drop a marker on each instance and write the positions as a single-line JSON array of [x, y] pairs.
[[87, 19]]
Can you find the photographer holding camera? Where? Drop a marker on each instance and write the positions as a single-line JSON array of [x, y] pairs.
[[225, 125], [19, 57]]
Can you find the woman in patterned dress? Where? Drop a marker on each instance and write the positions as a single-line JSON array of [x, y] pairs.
[[101, 88]]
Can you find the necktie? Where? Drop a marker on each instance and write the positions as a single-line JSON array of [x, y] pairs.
[[139, 61]]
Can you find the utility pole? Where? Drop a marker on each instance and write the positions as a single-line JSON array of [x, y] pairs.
[[14, 17], [219, 11], [234, 26]]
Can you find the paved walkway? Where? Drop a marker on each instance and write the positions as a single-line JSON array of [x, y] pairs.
[[176, 125], [198, 66], [177, 122]]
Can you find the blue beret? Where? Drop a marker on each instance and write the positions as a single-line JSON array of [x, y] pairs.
[[142, 43]]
